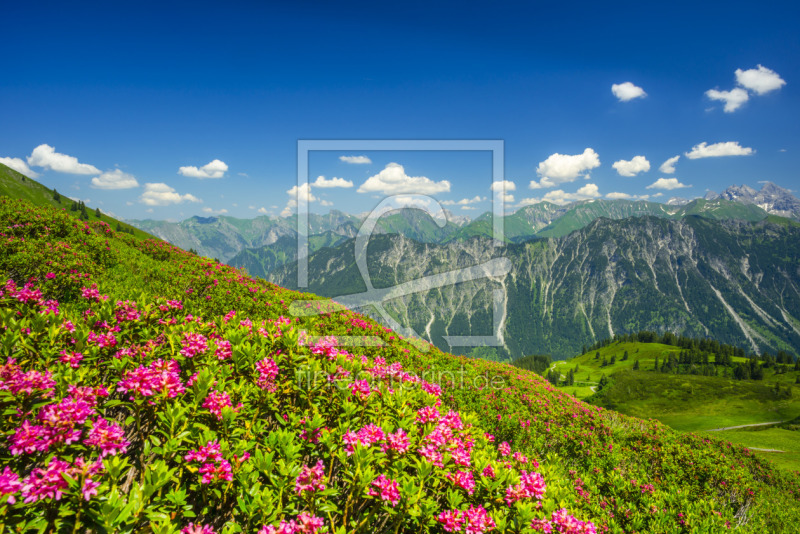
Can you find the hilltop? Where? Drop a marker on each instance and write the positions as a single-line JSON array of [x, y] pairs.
[[16, 185]]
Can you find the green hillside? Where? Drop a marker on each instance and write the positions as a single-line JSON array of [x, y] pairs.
[[690, 402], [17, 185], [187, 398]]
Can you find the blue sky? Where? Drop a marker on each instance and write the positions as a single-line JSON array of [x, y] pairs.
[[131, 94]]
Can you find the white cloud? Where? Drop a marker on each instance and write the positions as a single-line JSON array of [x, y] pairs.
[[658, 195], [20, 166], [160, 194], [626, 196], [296, 194], [46, 156], [667, 183], [214, 212], [263, 210], [633, 167], [468, 208], [587, 192], [393, 180], [563, 168], [356, 160], [729, 148], [244, 174], [326, 202], [214, 169], [627, 91], [668, 167], [115, 179], [733, 99], [759, 80], [333, 182], [464, 201], [502, 187]]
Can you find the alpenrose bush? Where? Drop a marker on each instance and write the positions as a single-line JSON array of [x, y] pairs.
[[621, 474], [171, 422]]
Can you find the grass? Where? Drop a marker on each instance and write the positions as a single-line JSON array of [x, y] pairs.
[[770, 438]]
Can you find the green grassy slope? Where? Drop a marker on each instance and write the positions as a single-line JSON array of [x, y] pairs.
[[621, 473], [691, 403], [16, 185]]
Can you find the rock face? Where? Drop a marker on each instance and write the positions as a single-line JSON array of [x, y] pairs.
[[772, 199], [735, 281]]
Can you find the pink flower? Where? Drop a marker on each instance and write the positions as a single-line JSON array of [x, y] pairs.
[[223, 351], [14, 380], [216, 401], [385, 488], [102, 340], [451, 520], [197, 529], [308, 524], [108, 437], [310, 478], [463, 479], [267, 372], [478, 520], [73, 359], [488, 471], [193, 344], [397, 442], [361, 389], [158, 377], [428, 414], [210, 451], [9, 484], [46, 483], [504, 448], [50, 276], [219, 471]]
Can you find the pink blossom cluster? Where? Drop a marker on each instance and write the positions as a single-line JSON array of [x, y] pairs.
[[193, 344], [310, 478], [158, 377], [93, 294], [199, 528], [215, 466], [13, 379], [102, 340], [73, 359], [57, 423], [305, 524], [224, 350], [385, 488], [267, 373], [531, 486], [462, 479], [373, 434], [27, 294], [562, 522], [216, 401], [476, 520], [108, 437], [360, 389], [126, 312], [326, 346], [49, 482]]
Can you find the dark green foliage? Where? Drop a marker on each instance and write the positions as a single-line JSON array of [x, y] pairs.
[[538, 363]]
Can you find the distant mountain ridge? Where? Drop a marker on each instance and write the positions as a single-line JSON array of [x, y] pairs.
[[733, 280], [235, 240]]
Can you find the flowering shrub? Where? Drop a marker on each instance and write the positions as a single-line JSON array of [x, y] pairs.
[[200, 404]]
